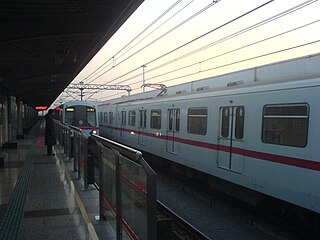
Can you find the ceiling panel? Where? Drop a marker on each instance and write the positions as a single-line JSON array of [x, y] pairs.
[[45, 44]]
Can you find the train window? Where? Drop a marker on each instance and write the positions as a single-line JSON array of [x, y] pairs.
[[155, 119], [123, 118], [285, 124], [91, 116], [105, 117], [197, 121], [110, 117], [171, 116], [174, 120], [178, 120], [69, 115], [239, 126], [225, 120], [143, 118], [100, 116], [132, 118]]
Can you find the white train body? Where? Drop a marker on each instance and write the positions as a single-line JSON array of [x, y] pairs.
[[81, 114], [263, 135]]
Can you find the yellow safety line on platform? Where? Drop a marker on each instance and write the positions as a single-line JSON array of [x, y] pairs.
[[84, 213]]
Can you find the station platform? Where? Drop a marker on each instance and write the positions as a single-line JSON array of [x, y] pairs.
[[40, 197]]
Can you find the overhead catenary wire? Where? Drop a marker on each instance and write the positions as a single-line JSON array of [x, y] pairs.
[[233, 50], [242, 31], [132, 40], [229, 64], [171, 30], [254, 26], [219, 55], [212, 30], [207, 46], [160, 37], [248, 59], [193, 40], [184, 7]]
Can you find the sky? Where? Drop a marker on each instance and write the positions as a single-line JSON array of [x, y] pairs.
[[177, 41]]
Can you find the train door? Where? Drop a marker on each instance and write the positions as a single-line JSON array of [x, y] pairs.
[[111, 126], [142, 126], [123, 133], [173, 128], [231, 138]]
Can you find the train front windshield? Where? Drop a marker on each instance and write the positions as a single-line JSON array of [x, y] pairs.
[[80, 116]]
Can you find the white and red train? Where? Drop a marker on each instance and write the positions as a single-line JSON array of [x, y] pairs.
[[261, 131], [80, 114]]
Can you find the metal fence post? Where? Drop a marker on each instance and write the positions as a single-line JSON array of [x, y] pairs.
[[84, 152], [67, 142], [118, 195], [78, 142], [64, 140], [70, 155], [74, 152], [127, 171], [151, 203], [101, 216]]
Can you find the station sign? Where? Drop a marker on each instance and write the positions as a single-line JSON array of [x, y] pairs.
[[41, 108]]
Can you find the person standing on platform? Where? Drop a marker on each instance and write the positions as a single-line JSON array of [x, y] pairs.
[[50, 139]]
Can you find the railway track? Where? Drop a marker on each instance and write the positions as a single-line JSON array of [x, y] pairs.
[[173, 227]]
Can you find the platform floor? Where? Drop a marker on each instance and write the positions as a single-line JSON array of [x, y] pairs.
[[46, 200], [41, 197]]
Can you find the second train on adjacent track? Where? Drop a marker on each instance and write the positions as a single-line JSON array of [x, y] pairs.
[[80, 114]]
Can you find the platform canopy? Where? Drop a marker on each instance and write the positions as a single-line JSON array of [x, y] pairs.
[[45, 44]]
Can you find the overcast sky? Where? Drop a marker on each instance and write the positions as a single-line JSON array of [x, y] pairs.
[[186, 40]]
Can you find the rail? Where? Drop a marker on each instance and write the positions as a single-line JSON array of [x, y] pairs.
[[175, 227]]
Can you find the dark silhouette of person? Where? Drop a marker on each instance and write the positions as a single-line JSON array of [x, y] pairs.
[[50, 139]]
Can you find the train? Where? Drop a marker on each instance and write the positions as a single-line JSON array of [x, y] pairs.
[[259, 131], [80, 114]]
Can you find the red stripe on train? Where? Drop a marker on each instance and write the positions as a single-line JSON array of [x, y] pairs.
[[297, 162], [88, 128]]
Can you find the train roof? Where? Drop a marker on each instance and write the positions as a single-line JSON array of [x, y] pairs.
[[83, 103], [223, 91], [293, 70]]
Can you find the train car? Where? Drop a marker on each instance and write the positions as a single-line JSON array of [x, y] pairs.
[[80, 114], [262, 135]]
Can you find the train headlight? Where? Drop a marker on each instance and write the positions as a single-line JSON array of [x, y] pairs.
[[94, 132]]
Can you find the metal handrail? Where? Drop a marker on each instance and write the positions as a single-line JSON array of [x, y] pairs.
[[124, 150]]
